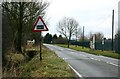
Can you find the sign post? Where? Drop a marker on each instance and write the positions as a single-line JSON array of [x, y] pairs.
[[40, 26], [40, 47]]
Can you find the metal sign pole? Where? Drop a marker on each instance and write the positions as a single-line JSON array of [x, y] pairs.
[[40, 47]]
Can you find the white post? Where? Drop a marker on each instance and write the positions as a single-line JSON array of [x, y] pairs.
[[93, 41]]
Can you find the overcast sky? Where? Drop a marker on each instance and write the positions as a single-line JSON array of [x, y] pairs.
[[95, 15]]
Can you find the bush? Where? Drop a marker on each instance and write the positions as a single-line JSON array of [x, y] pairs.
[[15, 58], [61, 41]]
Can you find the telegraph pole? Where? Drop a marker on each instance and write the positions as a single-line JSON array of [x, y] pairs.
[[112, 27], [76, 36], [119, 26], [83, 37]]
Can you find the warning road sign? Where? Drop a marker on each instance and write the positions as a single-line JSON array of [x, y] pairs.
[[39, 25]]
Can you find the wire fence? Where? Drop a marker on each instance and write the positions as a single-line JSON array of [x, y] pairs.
[[99, 46]]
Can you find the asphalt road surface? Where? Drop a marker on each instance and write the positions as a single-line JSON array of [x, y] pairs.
[[87, 65]]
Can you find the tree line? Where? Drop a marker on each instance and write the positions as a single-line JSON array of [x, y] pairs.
[[99, 38], [54, 39]]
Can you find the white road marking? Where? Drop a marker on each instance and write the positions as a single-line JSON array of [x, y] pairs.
[[83, 55], [79, 54], [99, 60], [65, 58], [113, 64], [71, 52], [92, 58], [95, 59], [79, 75], [106, 62]]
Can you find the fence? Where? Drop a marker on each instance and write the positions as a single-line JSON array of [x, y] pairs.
[[117, 43], [99, 46], [106, 46]]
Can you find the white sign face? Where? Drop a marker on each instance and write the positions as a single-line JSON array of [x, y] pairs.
[[39, 25]]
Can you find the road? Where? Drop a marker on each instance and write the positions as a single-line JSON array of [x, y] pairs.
[[87, 65]]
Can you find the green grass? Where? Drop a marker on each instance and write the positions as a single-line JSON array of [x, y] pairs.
[[96, 52], [51, 66]]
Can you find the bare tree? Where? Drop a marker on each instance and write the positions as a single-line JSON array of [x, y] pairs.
[[98, 36], [85, 38], [77, 33], [21, 16], [90, 36], [67, 27]]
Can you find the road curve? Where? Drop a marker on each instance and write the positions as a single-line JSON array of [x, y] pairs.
[[88, 65]]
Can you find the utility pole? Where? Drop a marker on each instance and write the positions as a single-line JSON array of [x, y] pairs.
[[83, 37], [112, 27], [76, 35], [119, 26]]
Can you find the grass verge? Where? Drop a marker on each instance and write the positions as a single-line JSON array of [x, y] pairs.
[[95, 52], [51, 66]]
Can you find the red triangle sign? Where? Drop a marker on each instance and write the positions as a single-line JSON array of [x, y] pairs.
[[39, 25]]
